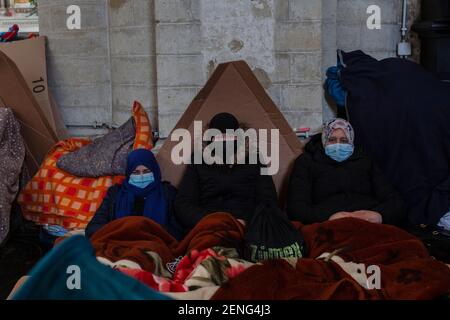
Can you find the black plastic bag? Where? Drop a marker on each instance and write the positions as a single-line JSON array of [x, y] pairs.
[[436, 240], [270, 235]]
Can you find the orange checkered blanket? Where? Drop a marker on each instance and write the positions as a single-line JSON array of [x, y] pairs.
[[55, 197]]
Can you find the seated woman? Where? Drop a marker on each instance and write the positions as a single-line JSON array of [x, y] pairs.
[[142, 193], [333, 179], [236, 189]]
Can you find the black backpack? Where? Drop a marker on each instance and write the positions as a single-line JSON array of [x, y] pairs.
[[270, 235]]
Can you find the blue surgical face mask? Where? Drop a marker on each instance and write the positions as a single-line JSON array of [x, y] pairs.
[[339, 151], [141, 180]]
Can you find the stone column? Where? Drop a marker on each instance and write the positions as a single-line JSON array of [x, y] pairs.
[[179, 58], [279, 39], [78, 63], [97, 72], [298, 45]]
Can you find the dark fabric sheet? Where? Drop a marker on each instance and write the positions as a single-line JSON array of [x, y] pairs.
[[19, 253], [401, 115]]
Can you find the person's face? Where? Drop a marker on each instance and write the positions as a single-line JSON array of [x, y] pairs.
[[338, 136], [141, 169]]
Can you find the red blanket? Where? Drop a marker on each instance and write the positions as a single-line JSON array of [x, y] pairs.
[[405, 268]]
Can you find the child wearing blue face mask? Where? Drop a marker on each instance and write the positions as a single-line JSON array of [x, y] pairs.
[[142, 193], [333, 179]]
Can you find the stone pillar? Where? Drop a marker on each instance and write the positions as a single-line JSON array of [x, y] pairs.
[[96, 73], [132, 57], [279, 39], [298, 46], [179, 58], [329, 49], [78, 63]]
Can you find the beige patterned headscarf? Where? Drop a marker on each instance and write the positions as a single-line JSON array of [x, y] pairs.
[[334, 124]]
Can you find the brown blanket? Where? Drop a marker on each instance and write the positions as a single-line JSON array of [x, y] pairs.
[[340, 255], [131, 238]]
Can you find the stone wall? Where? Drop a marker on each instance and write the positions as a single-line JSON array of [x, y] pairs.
[[273, 36], [353, 33], [298, 46], [161, 52], [96, 73], [179, 58]]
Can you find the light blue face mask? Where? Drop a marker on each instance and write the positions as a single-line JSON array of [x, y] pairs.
[[141, 180], [339, 151]]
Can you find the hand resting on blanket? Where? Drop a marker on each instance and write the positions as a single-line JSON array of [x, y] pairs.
[[242, 222], [368, 215]]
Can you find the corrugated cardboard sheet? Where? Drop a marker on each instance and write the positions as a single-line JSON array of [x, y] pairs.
[[235, 89]]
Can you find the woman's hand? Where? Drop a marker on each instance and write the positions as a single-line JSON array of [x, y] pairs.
[[340, 215], [368, 215], [242, 222]]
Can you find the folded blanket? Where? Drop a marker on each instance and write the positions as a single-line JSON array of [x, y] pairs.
[[135, 238], [54, 196], [105, 156]]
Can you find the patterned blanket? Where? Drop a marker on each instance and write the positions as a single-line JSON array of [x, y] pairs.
[[346, 259], [54, 196]]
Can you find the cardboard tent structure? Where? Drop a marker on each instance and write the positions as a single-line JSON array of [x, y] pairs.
[[14, 93], [235, 89], [24, 89]]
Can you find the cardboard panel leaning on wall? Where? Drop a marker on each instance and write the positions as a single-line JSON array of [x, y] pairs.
[[29, 57], [36, 130], [234, 88]]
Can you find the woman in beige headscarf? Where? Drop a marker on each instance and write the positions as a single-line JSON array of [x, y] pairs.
[[333, 179]]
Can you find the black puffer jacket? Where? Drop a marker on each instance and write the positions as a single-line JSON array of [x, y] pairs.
[[236, 189], [319, 187]]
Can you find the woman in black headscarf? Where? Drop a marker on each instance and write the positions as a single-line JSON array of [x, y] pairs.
[[233, 188]]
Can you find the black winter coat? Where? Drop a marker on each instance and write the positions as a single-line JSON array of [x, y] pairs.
[[320, 187], [236, 189], [107, 211]]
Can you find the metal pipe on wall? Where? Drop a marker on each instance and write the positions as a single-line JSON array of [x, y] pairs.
[[404, 19], [404, 47]]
